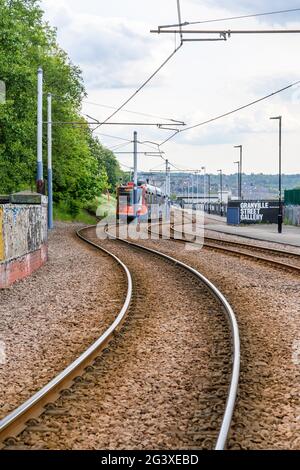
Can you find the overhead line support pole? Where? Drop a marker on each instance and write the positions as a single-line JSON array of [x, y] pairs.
[[40, 131], [49, 163], [135, 171]]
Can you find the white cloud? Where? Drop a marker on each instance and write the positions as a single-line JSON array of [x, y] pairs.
[[113, 52], [112, 44]]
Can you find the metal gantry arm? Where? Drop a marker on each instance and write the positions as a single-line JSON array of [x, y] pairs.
[[225, 33]]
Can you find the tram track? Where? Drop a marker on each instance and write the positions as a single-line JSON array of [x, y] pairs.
[[16, 421], [267, 412], [257, 253], [276, 257]]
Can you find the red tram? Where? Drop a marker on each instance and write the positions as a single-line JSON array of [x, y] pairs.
[[149, 199]]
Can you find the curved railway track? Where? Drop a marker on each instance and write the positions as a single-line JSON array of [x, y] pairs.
[[18, 420], [250, 251], [276, 257], [225, 427]]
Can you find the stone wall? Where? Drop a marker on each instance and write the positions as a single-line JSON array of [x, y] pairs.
[[23, 239]]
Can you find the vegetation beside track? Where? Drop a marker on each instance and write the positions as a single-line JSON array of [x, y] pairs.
[[82, 167]]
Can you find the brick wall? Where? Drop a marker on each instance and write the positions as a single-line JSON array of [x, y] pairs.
[[23, 240]]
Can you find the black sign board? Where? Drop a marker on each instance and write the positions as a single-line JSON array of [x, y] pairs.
[[255, 212]]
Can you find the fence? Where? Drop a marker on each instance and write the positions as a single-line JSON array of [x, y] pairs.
[[292, 215]]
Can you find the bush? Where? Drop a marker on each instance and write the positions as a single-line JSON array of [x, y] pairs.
[[74, 208]]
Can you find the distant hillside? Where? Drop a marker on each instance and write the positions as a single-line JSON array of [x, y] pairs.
[[255, 186]]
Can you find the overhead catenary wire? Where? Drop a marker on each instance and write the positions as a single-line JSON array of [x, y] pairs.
[[227, 32], [156, 167], [146, 143], [253, 15], [119, 146], [126, 166], [132, 112], [112, 136], [141, 87], [216, 118], [177, 168]]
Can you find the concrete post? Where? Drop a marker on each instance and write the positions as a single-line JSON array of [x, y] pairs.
[[49, 136], [40, 126], [135, 171]]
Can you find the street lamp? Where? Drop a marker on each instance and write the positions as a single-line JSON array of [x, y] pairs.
[[221, 191], [241, 169], [208, 180], [204, 171], [279, 118], [197, 187], [238, 164]]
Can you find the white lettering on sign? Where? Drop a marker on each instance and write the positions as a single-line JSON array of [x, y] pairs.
[[250, 211]]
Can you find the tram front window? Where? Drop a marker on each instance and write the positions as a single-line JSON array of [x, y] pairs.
[[126, 198]]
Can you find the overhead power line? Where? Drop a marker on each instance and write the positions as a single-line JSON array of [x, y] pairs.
[[126, 166], [142, 86], [253, 15], [232, 111], [227, 32], [132, 112], [119, 146], [112, 136]]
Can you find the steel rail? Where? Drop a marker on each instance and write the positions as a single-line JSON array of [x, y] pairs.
[[256, 257], [276, 251], [250, 237], [233, 388], [15, 422]]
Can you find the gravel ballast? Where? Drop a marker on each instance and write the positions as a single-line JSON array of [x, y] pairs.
[[266, 302], [162, 383], [48, 319]]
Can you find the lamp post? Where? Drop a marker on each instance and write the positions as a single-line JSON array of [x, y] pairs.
[[221, 191], [49, 163], [193, 190], [208, 180], [239, 191], [197, 179], [279, 118], [241, 169], [135, 171], [204, 171], [39, 177]]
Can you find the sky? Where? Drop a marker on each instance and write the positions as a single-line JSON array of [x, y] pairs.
[[112, 44]]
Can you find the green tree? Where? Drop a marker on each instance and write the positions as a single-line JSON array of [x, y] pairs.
[[82, 168], [107, 161]]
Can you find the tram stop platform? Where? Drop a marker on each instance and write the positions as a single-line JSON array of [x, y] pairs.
[[265, 232]]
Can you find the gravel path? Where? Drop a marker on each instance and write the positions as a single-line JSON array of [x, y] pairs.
[[162, 384], [266, 302], [47, 320]]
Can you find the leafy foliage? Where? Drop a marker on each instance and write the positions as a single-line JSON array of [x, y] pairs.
[[82, 167]]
